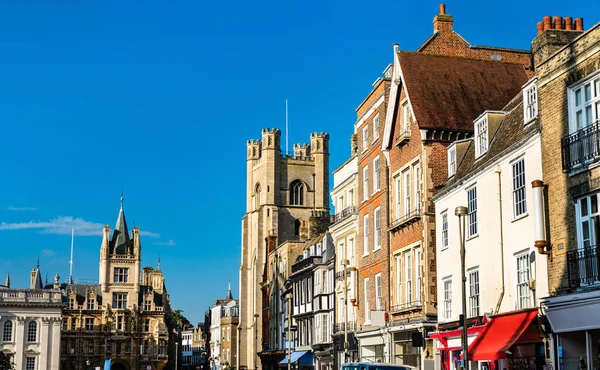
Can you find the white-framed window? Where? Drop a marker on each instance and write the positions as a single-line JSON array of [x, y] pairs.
[[367, 306], [91, 303], [351, 251], [406, 116], [30, 363], [523, 275], [365, 235], [418, 289], [481, 136], [409, 278], [518, 185], [376, 176], [584, 107], [377, 229], [399, 279], [417, 187], [444, 229], [119, 300], [398, 196], [366, 183], [378, 293], [406, 193], [89, 323], [472, 211], [447, 284], [474, 293], [365, 137], [7, 331], [452, 161], [376, 127], [32, 331], [530, 106]]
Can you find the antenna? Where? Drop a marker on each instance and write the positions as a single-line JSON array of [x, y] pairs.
[[286, 127], [71, 260]]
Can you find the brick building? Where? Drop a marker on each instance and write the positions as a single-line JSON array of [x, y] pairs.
[[567, 62]]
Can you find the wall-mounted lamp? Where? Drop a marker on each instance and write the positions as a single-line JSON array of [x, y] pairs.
[[539, 215]]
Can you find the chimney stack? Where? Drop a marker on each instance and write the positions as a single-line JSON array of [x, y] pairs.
[[553, 34], [442, 22], [557, 23]]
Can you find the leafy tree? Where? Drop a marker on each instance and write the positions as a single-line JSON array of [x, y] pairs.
[[179, 318], [5, 362]]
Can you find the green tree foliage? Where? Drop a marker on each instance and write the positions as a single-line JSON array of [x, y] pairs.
[[5, 362], [179, 318]]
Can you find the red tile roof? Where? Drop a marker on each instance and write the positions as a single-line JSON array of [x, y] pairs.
[[450, 92]]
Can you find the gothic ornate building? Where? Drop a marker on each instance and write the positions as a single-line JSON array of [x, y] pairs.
[[126, 317]]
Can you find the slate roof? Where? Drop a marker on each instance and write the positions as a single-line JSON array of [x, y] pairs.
[[121, 243], [511, 131], [450, 92]]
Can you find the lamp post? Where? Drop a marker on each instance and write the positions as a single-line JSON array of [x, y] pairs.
[[345, 264], [461, 212], [237, 348], [255, 341]]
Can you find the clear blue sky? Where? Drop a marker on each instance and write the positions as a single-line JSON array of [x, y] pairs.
[[159, 98]]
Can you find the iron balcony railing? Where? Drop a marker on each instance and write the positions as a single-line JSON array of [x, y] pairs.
[[344, 214], [340, 327], [582, 266], [408, 217], [581, 147], [414, 305]]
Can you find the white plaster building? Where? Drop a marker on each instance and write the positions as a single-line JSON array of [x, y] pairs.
[[30, 324], [343, 231], [506, 277], [186, 346]]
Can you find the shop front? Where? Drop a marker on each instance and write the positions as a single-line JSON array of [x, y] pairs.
[[374, 345], [299, 360], [575, 323], [449, 346], [410, 345]]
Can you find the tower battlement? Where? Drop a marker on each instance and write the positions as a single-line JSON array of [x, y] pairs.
[[319, 142], [301, 150]]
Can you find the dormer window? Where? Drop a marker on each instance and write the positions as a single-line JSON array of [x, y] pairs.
[[530, 104], [481, 136], [451, 161]]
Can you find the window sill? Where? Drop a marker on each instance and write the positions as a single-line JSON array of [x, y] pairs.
[[530, 120], [445, 248], [376, 249], [374, 140], [472, 237], [520, 217]]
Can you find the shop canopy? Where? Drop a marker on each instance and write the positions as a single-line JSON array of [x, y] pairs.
[[500, 333], [300, 357]]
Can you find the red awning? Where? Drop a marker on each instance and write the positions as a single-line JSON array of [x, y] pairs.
[[500, 334]]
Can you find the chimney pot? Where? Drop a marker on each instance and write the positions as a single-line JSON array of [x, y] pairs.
[[540, 27], [558, 23], [442, 8], [547, 22], [579, 24], [568, 23]]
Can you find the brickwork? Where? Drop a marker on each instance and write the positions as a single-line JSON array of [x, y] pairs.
[[570, 65]]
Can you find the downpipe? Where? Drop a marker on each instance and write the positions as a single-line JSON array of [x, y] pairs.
[[501, 297]]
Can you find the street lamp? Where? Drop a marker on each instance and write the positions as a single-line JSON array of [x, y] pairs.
[[345, 264], [237, 348], [461, 212], [255, 341]]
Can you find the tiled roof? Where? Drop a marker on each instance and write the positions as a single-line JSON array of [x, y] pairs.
[[450, 92]]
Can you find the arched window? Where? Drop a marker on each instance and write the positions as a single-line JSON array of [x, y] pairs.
[[257, 196], [297, 228], [297, 193], [32, 331], [7, 331]]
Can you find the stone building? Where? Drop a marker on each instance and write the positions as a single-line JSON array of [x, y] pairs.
[[567, 62], [224, 319], [126, 317], [281, 192], [30, 325]]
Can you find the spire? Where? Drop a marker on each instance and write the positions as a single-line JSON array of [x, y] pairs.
[[158, 264], [120, 242], [7, 280], [229, 295]]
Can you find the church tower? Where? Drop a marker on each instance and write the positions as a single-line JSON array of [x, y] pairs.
[[120, 262], [282, 191]]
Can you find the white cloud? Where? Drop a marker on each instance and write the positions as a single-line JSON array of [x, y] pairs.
[[62, 225], [11, 208], [170, 243], [48, 252]]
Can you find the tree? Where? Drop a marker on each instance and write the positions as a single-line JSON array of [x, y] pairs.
[[179, 318], [6, 362]]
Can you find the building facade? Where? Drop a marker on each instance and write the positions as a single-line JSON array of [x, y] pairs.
[[344, 233], [126, 317], [281, 192], [567, 62], [30, 326], [223, 332]]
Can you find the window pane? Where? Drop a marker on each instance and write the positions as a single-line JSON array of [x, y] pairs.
[[583, 206], [578, 97]]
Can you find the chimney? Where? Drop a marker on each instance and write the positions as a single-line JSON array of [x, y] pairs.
[[553, 34], [442, 22]]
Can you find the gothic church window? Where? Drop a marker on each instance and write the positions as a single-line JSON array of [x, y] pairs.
[[297, 193]]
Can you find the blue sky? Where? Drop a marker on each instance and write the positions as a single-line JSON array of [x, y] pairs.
[[159, 98]]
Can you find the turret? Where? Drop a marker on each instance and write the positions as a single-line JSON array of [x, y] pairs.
[[104, 253], [319, 146]]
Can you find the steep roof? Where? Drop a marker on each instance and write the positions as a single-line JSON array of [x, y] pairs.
[[450, 92], [120, 243]]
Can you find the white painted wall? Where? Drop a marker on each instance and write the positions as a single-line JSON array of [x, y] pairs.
[[483, 251]]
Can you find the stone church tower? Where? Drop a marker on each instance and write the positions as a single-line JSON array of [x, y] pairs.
[[281, 193]]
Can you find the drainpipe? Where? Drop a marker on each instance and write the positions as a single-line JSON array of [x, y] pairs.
[[499, 172]]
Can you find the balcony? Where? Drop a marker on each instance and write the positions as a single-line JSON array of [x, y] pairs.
[[344, 214], [406, 307], [582, 266], [581, 148], [406, 219], [403, 138], [341, 327], [305, 263]]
